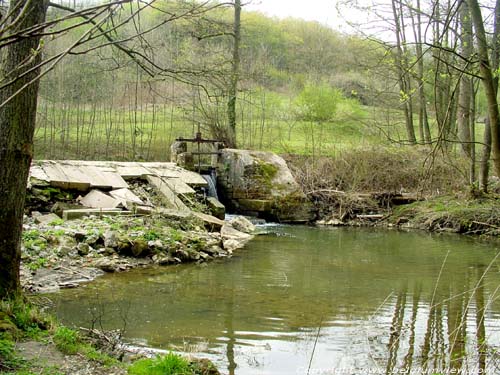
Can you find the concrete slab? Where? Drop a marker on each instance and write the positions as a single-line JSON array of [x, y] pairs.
[[170, 198], [115, 180], [178, 186], [134, 170], [58, 178], [98, 199], [37, 172], [76, 214], [188, 177], [46, 219], [211, 222], [126, 197], [216, 208]]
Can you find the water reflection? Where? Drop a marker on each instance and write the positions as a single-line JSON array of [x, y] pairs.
[[337, 301]]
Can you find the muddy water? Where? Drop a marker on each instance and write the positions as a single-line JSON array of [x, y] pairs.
[[320, 301]]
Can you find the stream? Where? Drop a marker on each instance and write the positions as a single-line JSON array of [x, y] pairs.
[[305, 300]]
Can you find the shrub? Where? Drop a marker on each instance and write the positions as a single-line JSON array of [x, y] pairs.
[[67, 340], [170, 364]]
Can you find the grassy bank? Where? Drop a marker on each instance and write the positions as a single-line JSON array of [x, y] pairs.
[[402, 187], [32, 342]]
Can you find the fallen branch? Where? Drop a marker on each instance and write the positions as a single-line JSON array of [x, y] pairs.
[[486, 224]]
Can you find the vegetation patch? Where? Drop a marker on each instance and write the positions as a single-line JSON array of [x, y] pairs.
[[171, 364], [452, 214]]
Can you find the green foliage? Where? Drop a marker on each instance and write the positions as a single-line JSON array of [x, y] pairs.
[[28, 318], [318, 103], [151, 235], [56, 222], [8, 358], [31, 234], [170, 364], [67, 340], [37, 263]]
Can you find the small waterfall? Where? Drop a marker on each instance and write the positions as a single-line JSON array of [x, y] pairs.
[[212, 186]]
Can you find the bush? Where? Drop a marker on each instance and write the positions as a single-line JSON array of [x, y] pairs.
[[170, 364], [67, 340]]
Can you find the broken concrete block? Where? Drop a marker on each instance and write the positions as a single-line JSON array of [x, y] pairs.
[[76, 214], [178, 186], [127, 198], [98, 199], [58, 177], [211, 222], [46, 219], [170, 198], [216, 208]]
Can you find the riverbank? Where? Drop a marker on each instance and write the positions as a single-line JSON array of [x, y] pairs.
[[32, 342], [396, 189], [63, 254]]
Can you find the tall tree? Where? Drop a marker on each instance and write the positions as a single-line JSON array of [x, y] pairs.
[[401, 61], [423, 120], [18, 102], [490, 84], [466, 90], [235, 74]]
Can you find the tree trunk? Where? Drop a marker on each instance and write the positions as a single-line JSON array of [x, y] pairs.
[[233, 88], [423, 121], [488, 83], [465, 91], [403, 77], [17, 126], [484, 168]]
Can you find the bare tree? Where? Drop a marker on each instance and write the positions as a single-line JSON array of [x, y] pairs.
[[20, 66]]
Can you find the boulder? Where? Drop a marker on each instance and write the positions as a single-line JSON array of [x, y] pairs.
[[242, 224], [232, 238], [216, 208], [260, 183], [211, 222], [140, 248]]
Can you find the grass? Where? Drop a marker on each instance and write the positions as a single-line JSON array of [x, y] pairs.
[[122, 133], [22, 321], [454, 214], [170, 364]]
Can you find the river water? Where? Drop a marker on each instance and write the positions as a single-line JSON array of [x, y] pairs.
[[305, 300]]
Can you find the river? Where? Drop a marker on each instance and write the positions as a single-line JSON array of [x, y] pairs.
[[311, 300]]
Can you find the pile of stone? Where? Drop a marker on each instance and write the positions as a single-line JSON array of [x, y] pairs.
[[63, 254]]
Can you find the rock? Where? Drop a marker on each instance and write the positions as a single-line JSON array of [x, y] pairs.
[[216, 208], [112, 264], [59, 207], [77, 214], [242, 224], [63, 251], [79, 236], [83, 248], [107, 265], [124, 246], [140, 248], [231, 245], [259, 182], [110, 239], [211, 222], [46, 219], [233, 239], [163, 259], [93, 239], [127, 198], [228, 232], [156, 245], [332, 222]]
